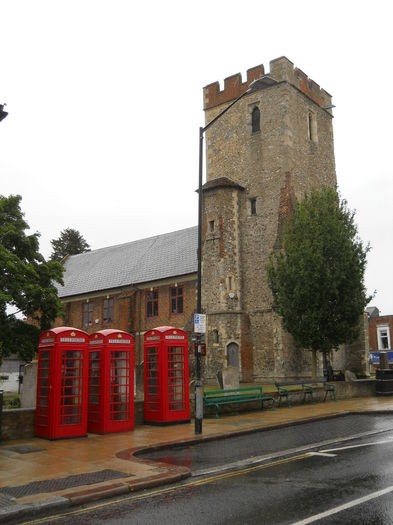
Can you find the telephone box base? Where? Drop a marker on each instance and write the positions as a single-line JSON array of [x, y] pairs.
[[166, 423]]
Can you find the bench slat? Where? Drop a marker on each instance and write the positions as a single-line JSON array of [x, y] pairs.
[[308, 387], [234, 396]]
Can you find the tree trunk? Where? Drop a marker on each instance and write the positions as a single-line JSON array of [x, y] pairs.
[[314, 363], [325, 372]]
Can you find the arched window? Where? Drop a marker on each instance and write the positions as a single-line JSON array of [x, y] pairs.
[[255, 120]]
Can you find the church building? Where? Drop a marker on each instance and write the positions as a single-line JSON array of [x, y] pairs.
[[272, 146]]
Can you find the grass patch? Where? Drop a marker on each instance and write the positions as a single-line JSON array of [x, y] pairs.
[[11, 400]]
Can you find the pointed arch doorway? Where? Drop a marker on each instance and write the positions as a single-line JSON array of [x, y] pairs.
[[233, 355]]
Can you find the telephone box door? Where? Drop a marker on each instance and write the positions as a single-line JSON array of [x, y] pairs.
[[111, 381], [62, 384], [166, 376]]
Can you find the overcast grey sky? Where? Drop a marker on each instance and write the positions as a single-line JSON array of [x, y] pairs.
[[105, 101]]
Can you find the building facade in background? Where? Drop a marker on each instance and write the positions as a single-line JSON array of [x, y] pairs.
[[380, 332], [273, 146]]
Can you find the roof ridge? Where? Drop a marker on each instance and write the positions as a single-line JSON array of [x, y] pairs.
[[132, 242]]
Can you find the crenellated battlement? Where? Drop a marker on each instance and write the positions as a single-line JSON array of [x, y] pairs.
[[233, 87], [281, 70]]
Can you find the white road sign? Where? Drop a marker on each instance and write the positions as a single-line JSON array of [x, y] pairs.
[[200, 323]]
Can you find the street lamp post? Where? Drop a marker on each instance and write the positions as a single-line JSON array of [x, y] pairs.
[[3, 113], [254, 85]]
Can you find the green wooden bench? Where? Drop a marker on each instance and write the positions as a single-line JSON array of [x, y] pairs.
[[238, 395], [308, 388]]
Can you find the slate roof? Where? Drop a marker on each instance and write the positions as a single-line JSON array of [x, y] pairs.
[[221, 182], [169, 255]]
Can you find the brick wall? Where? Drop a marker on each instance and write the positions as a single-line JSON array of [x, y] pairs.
[[129, 311], [374, 322]]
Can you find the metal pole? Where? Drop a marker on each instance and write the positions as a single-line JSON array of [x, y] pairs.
[[3, 113], [198, 384]]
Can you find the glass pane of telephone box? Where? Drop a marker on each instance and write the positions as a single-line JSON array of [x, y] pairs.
[[94, 387], [153, 401], [176, 391], [43, 388], [120, 382], [71, 387]]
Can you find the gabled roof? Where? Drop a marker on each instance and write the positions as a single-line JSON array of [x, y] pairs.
[[221, 182], [163, 256]]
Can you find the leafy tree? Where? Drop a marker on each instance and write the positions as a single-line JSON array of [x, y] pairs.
[[70, 242], [27, 283], [317, 279]]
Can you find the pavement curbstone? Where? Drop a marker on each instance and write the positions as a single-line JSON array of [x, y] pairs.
[[33, 510], [94, 494]]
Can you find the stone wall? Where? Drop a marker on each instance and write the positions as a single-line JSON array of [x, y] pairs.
[[19, 423], [253, 178]]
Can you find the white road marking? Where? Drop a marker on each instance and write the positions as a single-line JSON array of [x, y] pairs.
[[325, 454], [258, 459], [359, 445], [346, 506]]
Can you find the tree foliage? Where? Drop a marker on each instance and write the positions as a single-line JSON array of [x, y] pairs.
[[317, 279], [27, 283], [70, 242]]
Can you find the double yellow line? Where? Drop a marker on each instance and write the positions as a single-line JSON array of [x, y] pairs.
[[158, 492]]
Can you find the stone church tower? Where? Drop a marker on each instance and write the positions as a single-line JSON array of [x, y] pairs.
[[271, 147]]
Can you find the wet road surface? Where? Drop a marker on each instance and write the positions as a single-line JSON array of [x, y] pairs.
[[347, 482], [221, 452]]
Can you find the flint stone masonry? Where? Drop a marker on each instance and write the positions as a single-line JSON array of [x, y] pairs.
[[291, 154]]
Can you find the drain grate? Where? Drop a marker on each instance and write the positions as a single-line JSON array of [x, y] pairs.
[[24, 449], [38, 487], [6, 501]]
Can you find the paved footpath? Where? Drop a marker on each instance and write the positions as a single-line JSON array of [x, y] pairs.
[[37, 474]]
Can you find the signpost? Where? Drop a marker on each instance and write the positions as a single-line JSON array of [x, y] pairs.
[[200, 323], [200, 331]]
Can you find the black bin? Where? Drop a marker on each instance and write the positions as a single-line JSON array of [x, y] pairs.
[[384, 382]]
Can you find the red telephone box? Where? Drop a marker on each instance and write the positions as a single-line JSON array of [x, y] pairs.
[[61, 410], [167, 397], [111, 382]]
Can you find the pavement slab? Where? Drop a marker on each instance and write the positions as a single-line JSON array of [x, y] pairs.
[[36, 460]]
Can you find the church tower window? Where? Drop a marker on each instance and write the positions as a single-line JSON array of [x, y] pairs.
[[256, 120], [253, 206]]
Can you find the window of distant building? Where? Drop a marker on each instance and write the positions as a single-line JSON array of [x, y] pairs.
[[176, 298], [255, 120], [383, 334], [87, 314], [152, 303], [108, 311]]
